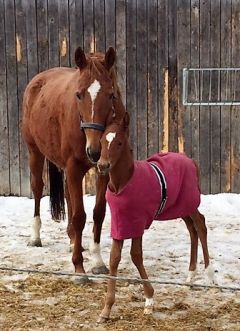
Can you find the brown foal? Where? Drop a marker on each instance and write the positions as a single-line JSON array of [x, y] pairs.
[[117, 160]]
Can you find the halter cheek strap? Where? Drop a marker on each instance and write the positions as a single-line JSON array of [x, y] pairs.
[[95, 126]]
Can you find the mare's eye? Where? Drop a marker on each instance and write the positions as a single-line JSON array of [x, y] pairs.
[[111, 96], [78, 95], [119, 143]]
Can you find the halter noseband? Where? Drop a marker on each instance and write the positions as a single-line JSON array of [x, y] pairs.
[[95, 126]]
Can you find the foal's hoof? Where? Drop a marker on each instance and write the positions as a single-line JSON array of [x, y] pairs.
[[35, 243], [100, 270], [102, 319], [148, 310], [191, 277]]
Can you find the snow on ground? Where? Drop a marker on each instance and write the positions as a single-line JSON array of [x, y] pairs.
[[166, 244]]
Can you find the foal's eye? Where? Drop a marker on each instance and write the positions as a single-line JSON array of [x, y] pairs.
[[78, 95], [111, 96], [119, 144]]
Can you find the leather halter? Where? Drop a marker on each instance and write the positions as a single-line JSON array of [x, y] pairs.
[[95, 126]]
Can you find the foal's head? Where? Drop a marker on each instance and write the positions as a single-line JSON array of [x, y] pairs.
[[115, 145], [97, 96]]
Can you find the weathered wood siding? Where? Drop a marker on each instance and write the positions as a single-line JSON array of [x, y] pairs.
[[155, 40]]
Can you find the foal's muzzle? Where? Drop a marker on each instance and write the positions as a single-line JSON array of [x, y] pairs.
[[103, 167]]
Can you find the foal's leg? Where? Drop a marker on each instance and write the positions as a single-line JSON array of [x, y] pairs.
[[98, 217], [200, 226], [194, 249], [36, 162], [115, 258], [137, 258], [75, 173]]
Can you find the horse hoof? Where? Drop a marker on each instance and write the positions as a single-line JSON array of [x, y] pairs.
[[148, 310], [191, 277], [35, 243], [100, 270], [81, 280], [102, 319]]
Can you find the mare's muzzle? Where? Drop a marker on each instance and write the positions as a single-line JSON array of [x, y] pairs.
[[93, 155]]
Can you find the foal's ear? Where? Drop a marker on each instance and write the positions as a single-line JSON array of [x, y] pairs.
[[126, 120], [110, 58], [80, 58]]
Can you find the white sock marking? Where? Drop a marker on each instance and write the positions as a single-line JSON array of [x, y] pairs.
[[93, 91], [109, 137], [210, 274], [95, 252], [148, 309], [36, 226], [191, 276], [149, 302]]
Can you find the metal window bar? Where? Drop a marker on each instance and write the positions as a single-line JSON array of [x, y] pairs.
[[204, 82]]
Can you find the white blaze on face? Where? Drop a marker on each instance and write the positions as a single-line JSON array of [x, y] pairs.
[[109, 137], [93, 91]]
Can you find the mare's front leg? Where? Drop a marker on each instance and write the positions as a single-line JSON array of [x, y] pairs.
[[194, 249], [115, 258], [98, 217], [137, 258], [74, 174], [70, 231], [36, 162]]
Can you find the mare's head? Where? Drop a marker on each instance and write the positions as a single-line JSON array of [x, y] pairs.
[[115, 144], [98, 97]]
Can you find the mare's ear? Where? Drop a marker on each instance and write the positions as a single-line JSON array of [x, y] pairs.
[[110, 58], [126, 120], [80, 58]]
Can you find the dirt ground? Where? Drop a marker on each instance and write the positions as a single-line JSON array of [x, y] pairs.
[[37, 302]]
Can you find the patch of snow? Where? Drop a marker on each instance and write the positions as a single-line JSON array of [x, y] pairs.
[[166, 245]]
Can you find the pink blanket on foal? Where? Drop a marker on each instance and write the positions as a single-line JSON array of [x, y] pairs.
[[135, 207]]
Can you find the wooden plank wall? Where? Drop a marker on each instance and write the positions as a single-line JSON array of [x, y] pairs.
[[155, 40]]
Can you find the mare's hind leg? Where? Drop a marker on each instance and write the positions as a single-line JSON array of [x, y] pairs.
[[137, 258], [98, 266], [36, 162], [200, 226], [194, 249]]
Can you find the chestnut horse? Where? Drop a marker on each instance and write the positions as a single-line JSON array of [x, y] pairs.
[[163, 187], [65, 111]]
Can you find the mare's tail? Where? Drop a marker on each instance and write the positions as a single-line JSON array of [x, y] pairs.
[[56, 178]]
